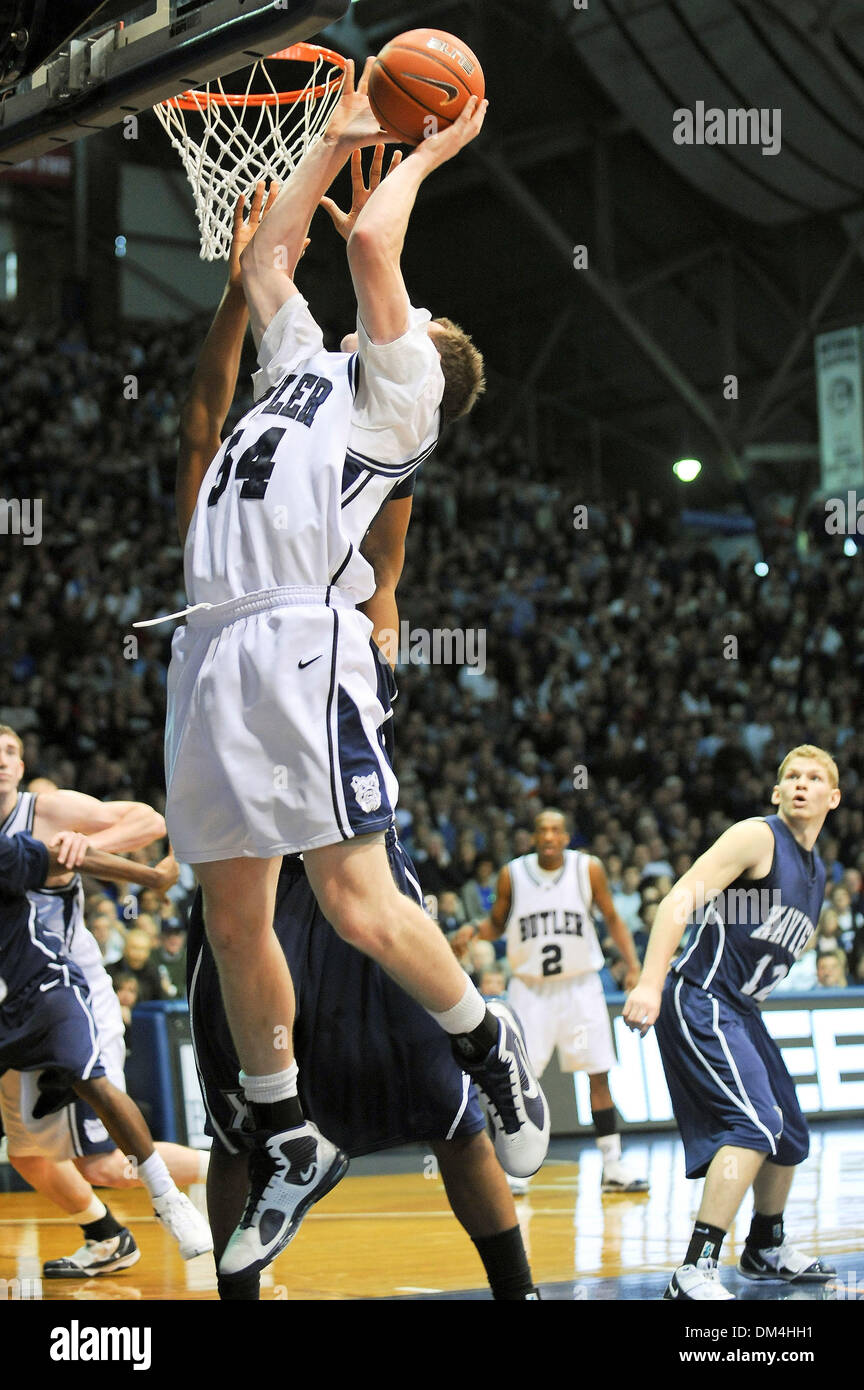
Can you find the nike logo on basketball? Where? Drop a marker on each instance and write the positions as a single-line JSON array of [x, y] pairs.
[[450, 91], [301, 665]]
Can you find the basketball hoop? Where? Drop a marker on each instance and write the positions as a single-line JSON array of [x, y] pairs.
[[233, 140]]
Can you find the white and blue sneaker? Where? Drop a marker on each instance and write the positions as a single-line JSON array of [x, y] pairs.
[[95, 1257], [698, 1283], [518, 1113], [784, 1264], [288, 1173]]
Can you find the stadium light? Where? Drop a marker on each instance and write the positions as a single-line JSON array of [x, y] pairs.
[[686, 470], [849, 547], [760, 568]]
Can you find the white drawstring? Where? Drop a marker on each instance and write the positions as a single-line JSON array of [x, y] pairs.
[[166, 617]]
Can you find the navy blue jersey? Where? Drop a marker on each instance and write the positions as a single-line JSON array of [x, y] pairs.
[[754, 930], [375, 1069], [23, 953]]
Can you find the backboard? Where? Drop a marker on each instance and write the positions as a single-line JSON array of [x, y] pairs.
[[141, 53]]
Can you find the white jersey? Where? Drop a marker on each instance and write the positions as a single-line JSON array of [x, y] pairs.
[[550, 930], [290, 495], [60, 911]]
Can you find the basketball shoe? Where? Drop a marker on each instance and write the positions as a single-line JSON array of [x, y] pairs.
[[184, 1222], [698, 1283], [95, 1257], [618, 1177], [518, 1113], [784, 1264], [288, 1172]]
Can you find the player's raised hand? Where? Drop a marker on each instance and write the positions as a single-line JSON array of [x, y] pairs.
[[353, 122], [437, 149], [360, 190], [642, 1007], [244, 228]]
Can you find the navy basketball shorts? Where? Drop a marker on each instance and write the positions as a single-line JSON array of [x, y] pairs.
[[52, 1026], [375, 1070], [727, 1080]]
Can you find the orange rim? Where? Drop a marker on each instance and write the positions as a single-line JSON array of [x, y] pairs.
[[299, 52]]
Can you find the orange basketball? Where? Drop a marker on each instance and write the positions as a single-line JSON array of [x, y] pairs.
[[420, 82]]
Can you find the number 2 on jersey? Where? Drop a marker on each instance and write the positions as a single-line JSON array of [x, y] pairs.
[[254, 465], [551, 955]]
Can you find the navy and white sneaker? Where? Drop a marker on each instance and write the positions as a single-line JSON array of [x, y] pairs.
[[288, 1172], [784, 1264], [698, 1283], [518, 1113], [96, 1257]]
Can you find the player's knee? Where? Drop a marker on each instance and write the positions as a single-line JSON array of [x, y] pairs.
[[230, 937], [371, 930], [107, 1170]]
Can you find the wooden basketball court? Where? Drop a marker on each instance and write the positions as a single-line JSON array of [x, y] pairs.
[[387, 1232]]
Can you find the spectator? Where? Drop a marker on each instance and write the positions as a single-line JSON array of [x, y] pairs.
[[171, 957], [137, 962], [126, 988], [493, 982], [478, 894], [831, 970]]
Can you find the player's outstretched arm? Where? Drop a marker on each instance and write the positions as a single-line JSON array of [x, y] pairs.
[[614, 925], [494, 925], [738, 850], [384, 548], [214, 381], [375, 244], [269, 262], [115, 826]]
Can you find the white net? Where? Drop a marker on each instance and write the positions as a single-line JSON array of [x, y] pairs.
[[230, 141]]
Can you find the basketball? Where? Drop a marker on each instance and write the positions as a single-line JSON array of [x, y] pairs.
[[420, 82]]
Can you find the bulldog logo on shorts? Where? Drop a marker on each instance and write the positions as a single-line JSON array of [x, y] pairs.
[[367, 792]]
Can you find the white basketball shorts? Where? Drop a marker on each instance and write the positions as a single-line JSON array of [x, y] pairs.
[[570, 1013], [68, 1133], [272, 740]]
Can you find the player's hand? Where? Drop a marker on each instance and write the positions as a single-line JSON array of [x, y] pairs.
[[461, 939], [437, 149], [70, 849], [244, 229], [360, 192], [169, 872], [641, 1008], [631, 977], [353, 122]]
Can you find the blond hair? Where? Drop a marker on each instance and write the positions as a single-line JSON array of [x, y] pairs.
[[462, 366], [7, 729], [819, 755]]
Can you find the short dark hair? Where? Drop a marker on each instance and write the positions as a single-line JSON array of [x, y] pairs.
[[462, 365]]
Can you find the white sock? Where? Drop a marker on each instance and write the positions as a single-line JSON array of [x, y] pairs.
[[465, 1016], [610, 1147], [94, 1212], [266, 1090], [155, 1175]]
